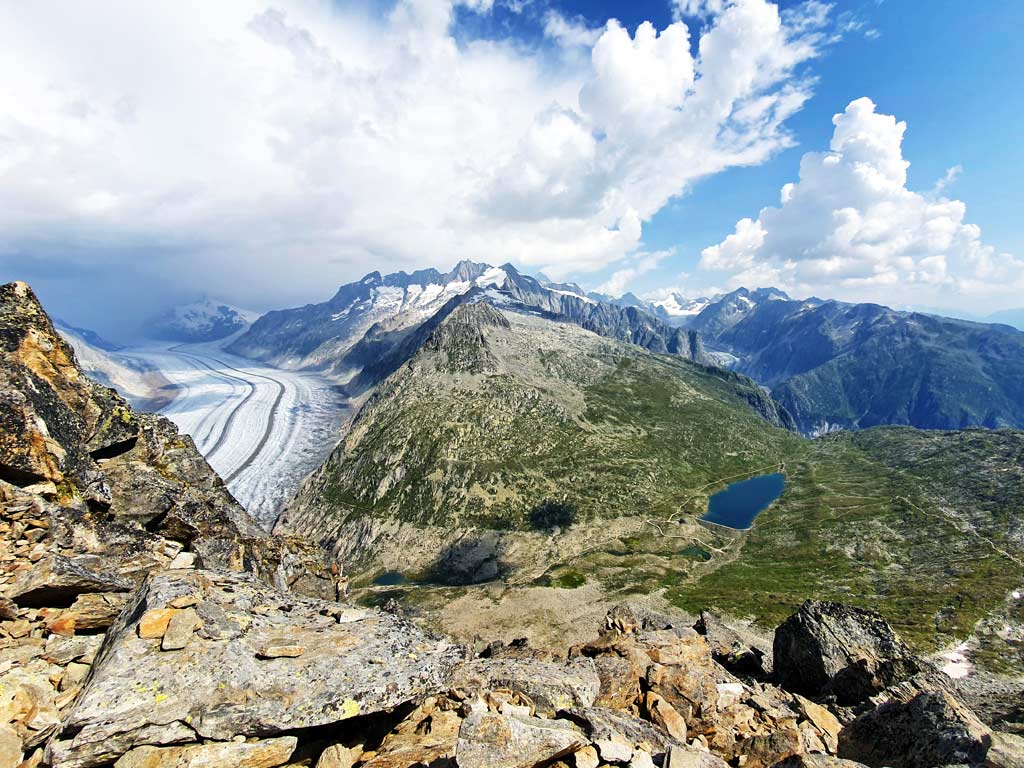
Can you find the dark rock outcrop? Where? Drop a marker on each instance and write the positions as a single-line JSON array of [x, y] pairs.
[[930, 729], [851, 653]]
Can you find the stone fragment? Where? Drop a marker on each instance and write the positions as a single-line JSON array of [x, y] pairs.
[[614, 749], [586, 758], [933, 728], [692, 757], [493, 740], [216, 688], [339, 756], [280, 650], [10, 747], [1007, 751], [179, 631], [8, 609], [822, 719], [765, 750], [663, 715], [183, 560], [95, 610], [817, 761], [832, 648], [612, 726], [256, 754], [57, 580], [74, 674], [154, 623], [641, 759]]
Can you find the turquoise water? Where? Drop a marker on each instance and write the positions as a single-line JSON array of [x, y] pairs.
[[390, 579], [738, 505]]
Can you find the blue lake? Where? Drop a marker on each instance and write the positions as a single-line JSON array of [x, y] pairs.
[[390, 579], [738, 505]]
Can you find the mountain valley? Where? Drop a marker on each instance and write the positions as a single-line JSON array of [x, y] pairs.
[[516, 464]]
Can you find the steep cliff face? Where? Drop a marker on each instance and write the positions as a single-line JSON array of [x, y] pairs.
[[79, 445]]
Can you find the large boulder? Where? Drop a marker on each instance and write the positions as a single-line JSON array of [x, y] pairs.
[[238, 657], [931, 729], [499, 740], [830, 648]]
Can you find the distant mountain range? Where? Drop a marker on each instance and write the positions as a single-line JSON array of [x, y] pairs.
[[836, 365], [368, 325], [199, 321]]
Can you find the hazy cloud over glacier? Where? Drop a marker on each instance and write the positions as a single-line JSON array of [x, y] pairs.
[[265, 152], [850, 228]]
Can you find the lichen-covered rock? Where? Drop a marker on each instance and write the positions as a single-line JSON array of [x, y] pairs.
[[257, 754], [551, 686], [931, 729], [58, 581], [609, 727], [496, 740], [832, 648], [217, 685]]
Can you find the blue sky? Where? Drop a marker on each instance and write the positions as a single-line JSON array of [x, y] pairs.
[[946, 72], [265, 151]]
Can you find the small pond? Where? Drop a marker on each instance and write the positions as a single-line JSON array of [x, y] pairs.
[[738, 505], [390, 579]]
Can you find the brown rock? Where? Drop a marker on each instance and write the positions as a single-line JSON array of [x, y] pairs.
[[823, 720], [663, 715], [586, 758], [766, 750], [96, 610], [277, 651], [10, 747], [339, 756], [62, 625], [153, 623], [257, 754]]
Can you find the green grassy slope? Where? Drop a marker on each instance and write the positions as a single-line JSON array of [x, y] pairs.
[[498, 413]]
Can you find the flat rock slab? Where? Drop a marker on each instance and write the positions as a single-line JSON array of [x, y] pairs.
[[57, 580], [259, 754], [552, 686], [496, 740], [217, 686]]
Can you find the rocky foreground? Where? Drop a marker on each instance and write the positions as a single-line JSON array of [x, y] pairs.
[[145, 621]]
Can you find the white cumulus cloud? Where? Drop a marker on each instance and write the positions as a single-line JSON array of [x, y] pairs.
[[176, 145], [850, 228]]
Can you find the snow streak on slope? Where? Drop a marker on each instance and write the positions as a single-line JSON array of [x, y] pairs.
[[261, 428]]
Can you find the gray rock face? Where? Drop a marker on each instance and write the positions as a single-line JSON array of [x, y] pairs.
[[849, 652], [260, 754], [217, 685], [931, 729], [551, 686], [57, 580], [497, 740]]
